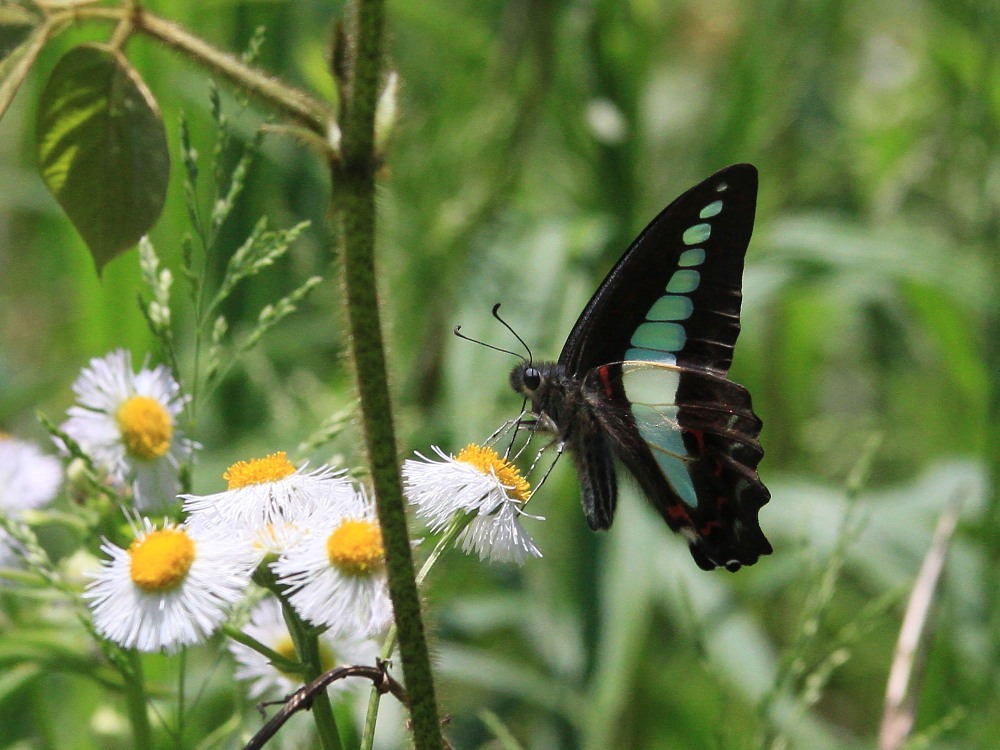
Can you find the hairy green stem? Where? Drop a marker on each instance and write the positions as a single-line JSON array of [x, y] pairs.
[[459, 522], [354, 195]]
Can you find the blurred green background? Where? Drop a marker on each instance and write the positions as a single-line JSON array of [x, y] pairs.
[[535, 139]]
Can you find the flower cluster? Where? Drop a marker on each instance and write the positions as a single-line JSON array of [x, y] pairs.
[[318, 535], [315, 530], [311, 538]]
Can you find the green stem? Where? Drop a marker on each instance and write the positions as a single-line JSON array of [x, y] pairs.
[[459, 522], [279, 662], [24, 578], [307, 647], [181, 700], [353, 179], [135, 701]]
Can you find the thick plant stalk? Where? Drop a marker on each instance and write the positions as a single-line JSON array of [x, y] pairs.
[[354, 196]]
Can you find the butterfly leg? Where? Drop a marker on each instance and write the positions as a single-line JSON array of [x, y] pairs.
[[560, 447]]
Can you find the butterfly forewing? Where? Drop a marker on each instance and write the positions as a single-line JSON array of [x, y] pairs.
[[675, 294]]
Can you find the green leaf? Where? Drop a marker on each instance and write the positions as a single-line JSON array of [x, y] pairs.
[[102, 149], [953, 333]]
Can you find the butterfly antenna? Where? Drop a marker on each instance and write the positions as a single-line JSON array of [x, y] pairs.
[[509, 328], [483, 343]]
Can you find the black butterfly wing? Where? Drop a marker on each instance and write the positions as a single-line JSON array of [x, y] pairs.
[[652, 349], [676, 293], [690, 438]]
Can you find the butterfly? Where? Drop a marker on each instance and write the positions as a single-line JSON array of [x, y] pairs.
[[642, 378]]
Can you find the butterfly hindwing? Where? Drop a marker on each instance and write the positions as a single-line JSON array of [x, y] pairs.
[[695, 460]]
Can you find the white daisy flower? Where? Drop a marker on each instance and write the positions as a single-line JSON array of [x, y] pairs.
[[498, 536], [28, 477], [265, 495], [267, 625], [336, 575], [273, 539], [127, 423], [476, 481], [172, 587]]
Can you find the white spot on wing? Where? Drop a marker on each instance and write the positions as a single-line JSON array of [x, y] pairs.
[[651, 385]]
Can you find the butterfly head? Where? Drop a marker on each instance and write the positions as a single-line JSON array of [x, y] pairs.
[[526, 379], [544, 385]]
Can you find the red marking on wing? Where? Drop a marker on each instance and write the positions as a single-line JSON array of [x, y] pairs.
[[699, 436], [679, 512], [707, 528], [605, 373]]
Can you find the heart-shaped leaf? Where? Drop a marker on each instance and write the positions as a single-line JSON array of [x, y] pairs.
[[102, 149]]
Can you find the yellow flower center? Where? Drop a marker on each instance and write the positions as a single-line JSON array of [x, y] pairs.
[[258, 471], [161, 560], [146, 426], [355, 548], [286, 647], [488, 461]]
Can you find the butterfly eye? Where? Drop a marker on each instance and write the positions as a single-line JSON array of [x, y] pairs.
[[532, 378]]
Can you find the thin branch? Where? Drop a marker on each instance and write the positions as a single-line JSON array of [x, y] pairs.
[[302, 699], [296, 104], [902, 690]]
